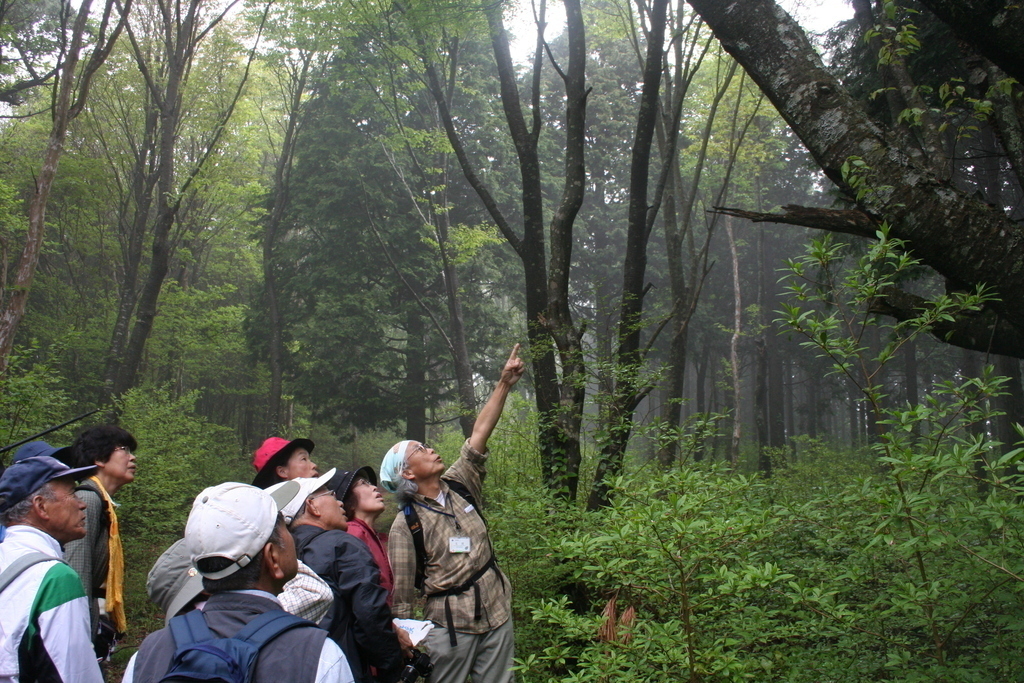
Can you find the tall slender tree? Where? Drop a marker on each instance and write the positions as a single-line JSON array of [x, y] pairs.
[[71, 82]]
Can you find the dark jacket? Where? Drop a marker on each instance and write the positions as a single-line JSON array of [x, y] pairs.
[[90, 556], [293, 656], [360, 619]]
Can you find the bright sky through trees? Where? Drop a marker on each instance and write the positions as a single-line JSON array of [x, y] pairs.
[[816, 16]]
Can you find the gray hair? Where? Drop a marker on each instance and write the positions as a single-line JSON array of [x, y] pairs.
[[404, 488], [17, 513]]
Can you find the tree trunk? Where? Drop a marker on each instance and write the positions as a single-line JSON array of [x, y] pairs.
[[959, 235], [414, 389], [703, 361], [910, 371], [685, 278], [72, 90], [970, 365], [734, 346], [1011, 404], [790, 425], [629, 388], [165, 81], [548, 317], [279, 199], [764, 459]]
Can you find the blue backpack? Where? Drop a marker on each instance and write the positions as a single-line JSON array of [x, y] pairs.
[[201, 656]]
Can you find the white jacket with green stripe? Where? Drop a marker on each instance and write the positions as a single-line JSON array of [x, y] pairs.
[[44, 616]]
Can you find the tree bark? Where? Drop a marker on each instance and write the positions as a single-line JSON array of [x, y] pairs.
[[181, 37], [414, 386], [1011, 404], [993, 28], [958, 235], [72, 91], [685, 279], [734, 346], [279, 200], [629, 385], [548, 317], [764, 460], [970, 367]]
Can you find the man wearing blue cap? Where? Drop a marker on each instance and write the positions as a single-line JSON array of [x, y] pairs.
[[31, 450], [44, 615]]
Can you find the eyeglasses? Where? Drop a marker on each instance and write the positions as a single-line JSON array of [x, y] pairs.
[[422, 447], [65, 498], [325, 493], [123, 448]]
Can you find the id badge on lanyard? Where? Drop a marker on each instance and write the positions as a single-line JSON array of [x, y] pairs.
[[459, 544]]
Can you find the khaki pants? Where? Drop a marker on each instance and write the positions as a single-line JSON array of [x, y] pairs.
[[485, 656]]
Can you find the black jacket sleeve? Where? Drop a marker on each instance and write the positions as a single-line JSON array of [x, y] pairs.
[[359, 580]]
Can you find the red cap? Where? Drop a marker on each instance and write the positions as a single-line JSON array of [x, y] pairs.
[[273, 452], [268, 450]]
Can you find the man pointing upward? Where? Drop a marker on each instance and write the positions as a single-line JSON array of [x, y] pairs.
[[439, 544]]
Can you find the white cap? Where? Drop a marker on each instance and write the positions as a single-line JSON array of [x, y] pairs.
[[230, 520], [307, 485]]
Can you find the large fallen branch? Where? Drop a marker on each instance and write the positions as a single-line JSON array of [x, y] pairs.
[[847, 221], [984, 331]]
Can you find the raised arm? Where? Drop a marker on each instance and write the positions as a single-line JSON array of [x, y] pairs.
[[491, 412]]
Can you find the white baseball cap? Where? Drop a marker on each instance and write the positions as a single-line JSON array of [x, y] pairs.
[[307, 485], [230, 520]]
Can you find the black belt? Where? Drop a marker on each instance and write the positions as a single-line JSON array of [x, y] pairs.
[[462, 588]]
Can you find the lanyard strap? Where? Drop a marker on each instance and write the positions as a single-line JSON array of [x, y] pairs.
[[458, 527]]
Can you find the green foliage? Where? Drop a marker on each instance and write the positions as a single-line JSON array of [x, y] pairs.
[[903, 562], [687, 551], [32, 398], [943, 510], [179, 454]]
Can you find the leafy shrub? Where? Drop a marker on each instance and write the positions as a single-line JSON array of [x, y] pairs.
[[904, 566], [32, 398], [179, 454]]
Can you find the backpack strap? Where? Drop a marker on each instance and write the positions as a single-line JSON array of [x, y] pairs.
[[463, 490], [412, 518], [238, 653], [190, 628], [460, 589], [268, 626], [105, 512], [15, 569]]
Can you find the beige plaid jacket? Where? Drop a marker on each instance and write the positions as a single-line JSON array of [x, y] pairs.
[[307, 595], [445, 569]]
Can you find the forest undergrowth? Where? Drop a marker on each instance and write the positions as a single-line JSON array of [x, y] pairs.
[[899, 561], [846, 565]]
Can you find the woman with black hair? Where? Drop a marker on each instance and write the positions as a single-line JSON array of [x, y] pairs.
[[98, 558]]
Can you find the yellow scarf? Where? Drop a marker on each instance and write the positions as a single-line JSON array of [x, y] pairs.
[[115, 565]]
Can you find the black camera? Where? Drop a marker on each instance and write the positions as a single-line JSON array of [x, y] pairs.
[[419, 665]]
